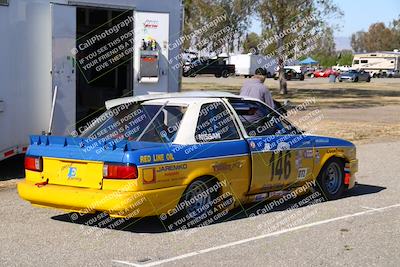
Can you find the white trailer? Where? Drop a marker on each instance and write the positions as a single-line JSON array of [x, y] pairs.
[[92, 50], [248, 65], [377, 63]]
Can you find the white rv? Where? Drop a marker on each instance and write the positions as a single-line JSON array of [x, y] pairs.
[[248, 65], [91, 51], [377, 63]]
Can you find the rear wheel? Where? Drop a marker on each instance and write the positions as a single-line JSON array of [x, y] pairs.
[[225, 73], [196, 203], [260, 71], [331, 179]]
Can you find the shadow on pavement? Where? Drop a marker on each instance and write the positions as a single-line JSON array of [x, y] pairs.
[[155, 225], [12, 168]]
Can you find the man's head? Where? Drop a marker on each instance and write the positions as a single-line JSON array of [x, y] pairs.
[[261, 78]]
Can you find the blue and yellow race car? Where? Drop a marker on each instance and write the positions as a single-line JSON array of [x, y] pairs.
[[186, 153]]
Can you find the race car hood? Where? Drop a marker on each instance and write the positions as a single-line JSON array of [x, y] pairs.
[[324, 141]]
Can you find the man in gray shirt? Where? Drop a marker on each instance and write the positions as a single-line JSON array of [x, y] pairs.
[[255, 88]]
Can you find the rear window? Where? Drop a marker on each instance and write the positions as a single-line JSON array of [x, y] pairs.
[[137, 122]]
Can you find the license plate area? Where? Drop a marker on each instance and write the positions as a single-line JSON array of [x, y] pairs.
[[74, 173]]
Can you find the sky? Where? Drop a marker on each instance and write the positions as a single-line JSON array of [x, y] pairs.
[[358, 15]]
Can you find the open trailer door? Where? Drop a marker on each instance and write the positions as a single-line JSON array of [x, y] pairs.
[[63, 19]]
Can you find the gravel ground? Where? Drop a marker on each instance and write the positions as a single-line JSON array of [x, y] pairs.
[[360, 229]]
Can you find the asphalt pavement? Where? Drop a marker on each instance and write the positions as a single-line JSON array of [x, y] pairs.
[[362, 228]]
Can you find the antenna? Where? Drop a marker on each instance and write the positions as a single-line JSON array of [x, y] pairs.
[[53, 105]]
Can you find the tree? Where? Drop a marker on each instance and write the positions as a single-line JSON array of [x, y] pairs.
[[197, 14], [357, 41], [377, 38], [395, 27], [325, 48], [251, 42], [291, 23], [200, 14], [345, 58]]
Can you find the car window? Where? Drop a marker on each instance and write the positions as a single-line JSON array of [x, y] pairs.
[[260, 120], [215, 123], [139, 122]]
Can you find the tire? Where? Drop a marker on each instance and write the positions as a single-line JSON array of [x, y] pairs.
[[302, 78], [331, 179], [369, 79], [225, 73], [356, 80], [185, 74], [217, 75], [340, 80], [260, 71], [201, 206]]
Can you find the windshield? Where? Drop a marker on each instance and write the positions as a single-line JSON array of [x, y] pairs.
[[138, 122]]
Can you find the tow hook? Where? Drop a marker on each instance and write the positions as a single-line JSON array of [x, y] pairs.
[[41, 184]]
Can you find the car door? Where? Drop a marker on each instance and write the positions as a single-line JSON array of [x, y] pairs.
[[281, 155]]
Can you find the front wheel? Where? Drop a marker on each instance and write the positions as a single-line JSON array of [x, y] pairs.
[[331, 179]]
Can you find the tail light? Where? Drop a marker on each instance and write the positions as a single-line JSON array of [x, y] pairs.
[[34, 163], [119, 171]]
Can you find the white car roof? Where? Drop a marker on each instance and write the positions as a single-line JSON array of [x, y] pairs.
[[184, 95]]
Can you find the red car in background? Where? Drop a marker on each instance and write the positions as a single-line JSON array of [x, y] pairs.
[[324, 73]]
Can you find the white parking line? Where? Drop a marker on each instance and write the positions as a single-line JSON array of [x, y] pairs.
[[243, 241]]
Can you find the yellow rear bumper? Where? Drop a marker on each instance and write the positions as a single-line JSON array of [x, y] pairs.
[[115, 203]]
